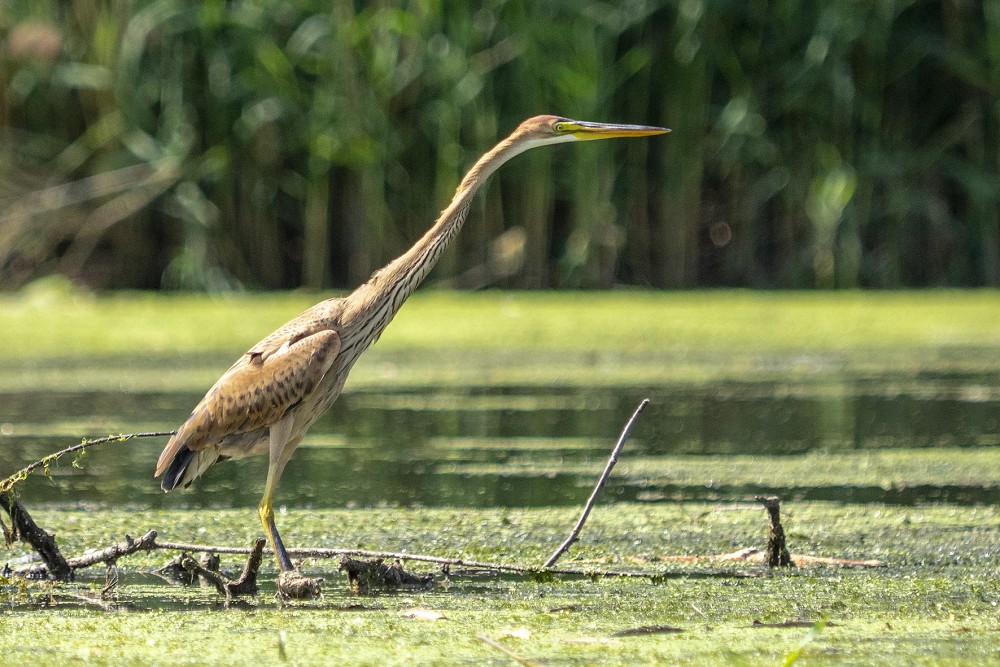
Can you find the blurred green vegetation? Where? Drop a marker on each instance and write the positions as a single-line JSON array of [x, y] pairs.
[[212, 145], [54, 339]]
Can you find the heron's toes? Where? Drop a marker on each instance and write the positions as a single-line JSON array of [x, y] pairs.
[[293, 585]]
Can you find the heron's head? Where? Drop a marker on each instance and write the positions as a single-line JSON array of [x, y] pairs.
[[544, 130]]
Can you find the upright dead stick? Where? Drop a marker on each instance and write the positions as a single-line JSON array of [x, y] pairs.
[[575, 533], [777, 552]]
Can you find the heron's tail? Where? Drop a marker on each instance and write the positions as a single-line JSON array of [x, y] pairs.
[[186, 455], [187, 466], [174, 473]]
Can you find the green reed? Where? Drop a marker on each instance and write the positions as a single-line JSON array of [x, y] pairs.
[[308, 142]]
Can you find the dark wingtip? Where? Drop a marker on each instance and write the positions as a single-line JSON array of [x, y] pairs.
[[174, 473]]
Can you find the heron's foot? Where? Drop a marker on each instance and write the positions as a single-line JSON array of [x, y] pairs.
[[293, 585]]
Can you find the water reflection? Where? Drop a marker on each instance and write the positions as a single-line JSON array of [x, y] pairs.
[[428, 446]]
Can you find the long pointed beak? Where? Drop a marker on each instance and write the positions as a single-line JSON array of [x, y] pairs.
[[585, 131]]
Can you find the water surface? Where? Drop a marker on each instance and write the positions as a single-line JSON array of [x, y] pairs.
[[482, 446]]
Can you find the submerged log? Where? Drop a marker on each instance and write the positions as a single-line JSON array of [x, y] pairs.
[[364, 575], [245, 584]]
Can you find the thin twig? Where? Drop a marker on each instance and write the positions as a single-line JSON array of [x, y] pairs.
[[20, 475], [149, 542], [612, 460], [457, 562], [111, 579]]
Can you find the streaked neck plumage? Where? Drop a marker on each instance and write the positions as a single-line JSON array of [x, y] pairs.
[[370, 308]]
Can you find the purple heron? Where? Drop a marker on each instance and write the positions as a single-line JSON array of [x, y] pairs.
[[268, 399]]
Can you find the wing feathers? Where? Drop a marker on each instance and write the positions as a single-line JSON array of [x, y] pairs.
[[263, 386]]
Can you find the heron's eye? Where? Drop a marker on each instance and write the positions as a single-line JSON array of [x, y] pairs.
[[559, 127]]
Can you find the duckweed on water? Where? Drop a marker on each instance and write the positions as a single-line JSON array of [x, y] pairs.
[[936, 597], [935, 601]]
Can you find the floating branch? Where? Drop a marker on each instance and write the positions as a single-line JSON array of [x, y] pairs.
[[109, 554], [612, 460]]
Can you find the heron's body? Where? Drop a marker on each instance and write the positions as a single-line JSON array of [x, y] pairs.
[[267, 401]]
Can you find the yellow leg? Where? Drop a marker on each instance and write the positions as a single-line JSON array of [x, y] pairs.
[[266, 512], [280, 452]]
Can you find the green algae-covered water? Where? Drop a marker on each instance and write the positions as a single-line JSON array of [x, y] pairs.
[[926, 440], [874, 417]]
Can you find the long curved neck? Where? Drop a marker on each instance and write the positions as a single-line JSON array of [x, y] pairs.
[[370, 308]]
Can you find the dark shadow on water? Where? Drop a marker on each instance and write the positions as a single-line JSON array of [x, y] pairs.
[[417, 447]]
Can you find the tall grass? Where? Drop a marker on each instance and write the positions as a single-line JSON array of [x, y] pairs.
[[163, 143]]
